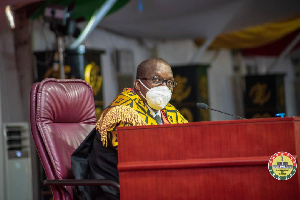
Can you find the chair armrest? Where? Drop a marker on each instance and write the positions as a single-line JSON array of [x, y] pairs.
[[79, 182]]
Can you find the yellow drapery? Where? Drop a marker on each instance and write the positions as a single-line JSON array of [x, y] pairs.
[[254, 36]]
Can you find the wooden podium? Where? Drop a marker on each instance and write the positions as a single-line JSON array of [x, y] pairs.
[[207, 160]]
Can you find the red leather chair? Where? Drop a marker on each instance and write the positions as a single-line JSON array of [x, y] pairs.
[[62, 113]]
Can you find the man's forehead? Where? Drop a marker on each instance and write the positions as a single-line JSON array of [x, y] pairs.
[[157, 66]]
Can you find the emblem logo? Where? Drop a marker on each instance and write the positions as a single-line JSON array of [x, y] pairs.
[[93, 77], [282, 165]]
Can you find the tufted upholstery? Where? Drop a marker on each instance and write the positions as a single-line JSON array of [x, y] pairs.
[[62, 113]]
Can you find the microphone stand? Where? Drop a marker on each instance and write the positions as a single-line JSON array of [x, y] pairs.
[[226, 113], [205, 107]]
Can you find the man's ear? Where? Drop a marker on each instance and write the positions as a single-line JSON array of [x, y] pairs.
[[137, 85]]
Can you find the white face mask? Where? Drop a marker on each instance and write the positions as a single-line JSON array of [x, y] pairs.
[[157, 97]]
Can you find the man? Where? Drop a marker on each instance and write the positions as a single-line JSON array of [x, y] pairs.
[[146, 104]]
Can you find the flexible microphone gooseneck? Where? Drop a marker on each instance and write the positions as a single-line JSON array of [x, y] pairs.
[[205, 107]]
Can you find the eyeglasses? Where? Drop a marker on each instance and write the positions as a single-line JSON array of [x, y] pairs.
[[159, 81]]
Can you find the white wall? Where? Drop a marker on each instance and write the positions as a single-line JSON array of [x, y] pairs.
[[1, 126], [285, 66], [225, 86], [15, 83], [98, 39], [175, 52], [6, 61], [12, 110], [10, 104], [219, 73]]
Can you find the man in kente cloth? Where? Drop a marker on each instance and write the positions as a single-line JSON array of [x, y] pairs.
[[146, 104]]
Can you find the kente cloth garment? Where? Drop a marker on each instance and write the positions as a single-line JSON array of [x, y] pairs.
[[97, 156], [135, 113]]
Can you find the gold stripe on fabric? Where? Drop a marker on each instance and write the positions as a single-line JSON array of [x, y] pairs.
[[116, 115]]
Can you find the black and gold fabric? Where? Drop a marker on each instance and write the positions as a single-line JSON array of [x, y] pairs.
[[264, 95]]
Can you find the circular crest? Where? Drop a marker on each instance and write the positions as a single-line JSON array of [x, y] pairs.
[[282, 165]]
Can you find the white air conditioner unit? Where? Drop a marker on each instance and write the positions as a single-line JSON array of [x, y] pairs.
[[17, 158]]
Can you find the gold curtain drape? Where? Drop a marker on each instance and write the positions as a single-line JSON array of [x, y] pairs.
[[254, 36]]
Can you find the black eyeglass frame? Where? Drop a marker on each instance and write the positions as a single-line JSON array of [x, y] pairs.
[[171, 84]]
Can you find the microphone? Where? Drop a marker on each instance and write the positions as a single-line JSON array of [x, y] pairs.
[[205, 107]]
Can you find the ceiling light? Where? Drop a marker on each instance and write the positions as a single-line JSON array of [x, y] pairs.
[[10, 17]]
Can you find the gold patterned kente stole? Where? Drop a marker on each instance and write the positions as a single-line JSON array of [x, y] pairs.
[[128, 109]]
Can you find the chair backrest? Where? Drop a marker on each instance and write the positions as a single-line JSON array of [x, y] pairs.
[[62, 113]]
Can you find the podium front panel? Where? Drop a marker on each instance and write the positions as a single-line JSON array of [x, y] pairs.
[[207, 160]]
